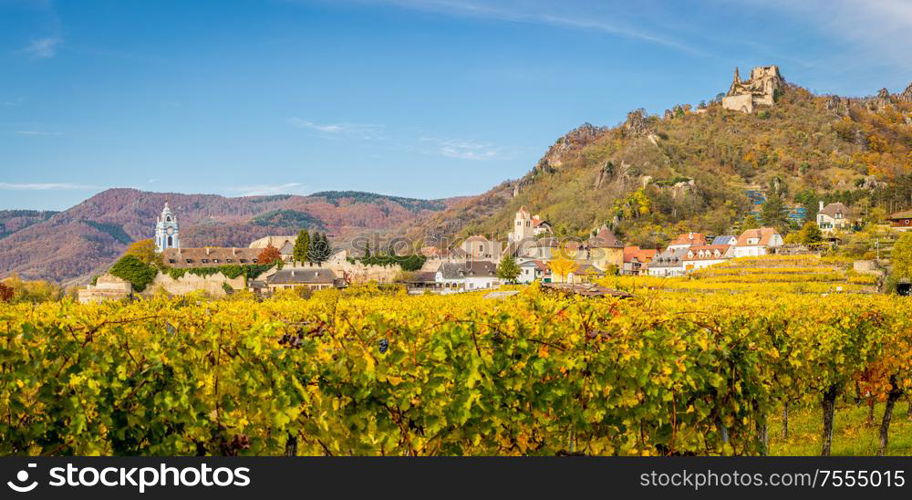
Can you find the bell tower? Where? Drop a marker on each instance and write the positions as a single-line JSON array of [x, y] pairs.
[[166, 230]]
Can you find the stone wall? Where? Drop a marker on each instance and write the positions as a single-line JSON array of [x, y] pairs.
[[212, 285], [107, 287], [359, 273]]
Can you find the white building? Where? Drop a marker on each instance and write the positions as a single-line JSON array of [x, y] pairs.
[[531, 270], [669, 262], [467, 276], [832, 217], [699, 257], [757, 242], [527, 226]]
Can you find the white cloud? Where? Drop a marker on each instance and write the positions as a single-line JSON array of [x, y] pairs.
[[299, 123], [268, 189], [43, 186], [42, 48], [36, 132], [364, 131], [864, 31], [462, 149], [592, 16]]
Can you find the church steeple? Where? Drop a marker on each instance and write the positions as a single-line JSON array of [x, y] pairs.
[[737, 76], [166, 230]]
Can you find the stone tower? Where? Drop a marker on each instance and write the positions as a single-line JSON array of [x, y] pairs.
[[759, 90], [166, 230], [522, 226]]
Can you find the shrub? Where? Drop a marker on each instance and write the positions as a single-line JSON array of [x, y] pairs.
[[137, 272]]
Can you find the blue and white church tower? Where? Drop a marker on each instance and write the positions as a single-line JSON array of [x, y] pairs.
[[166, 230]]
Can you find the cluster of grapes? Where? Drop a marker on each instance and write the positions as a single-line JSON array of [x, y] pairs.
[[384, 345], [293, 341], [235, 446]]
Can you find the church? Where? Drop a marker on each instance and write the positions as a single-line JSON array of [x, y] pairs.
[[166, 231]]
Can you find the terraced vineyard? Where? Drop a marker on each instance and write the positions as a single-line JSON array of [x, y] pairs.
[[765, 274]]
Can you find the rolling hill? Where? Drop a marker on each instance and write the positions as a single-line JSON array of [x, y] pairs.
[[72, 245]]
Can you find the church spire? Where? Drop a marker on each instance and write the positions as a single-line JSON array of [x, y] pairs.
[[167, 230], [737, 76]]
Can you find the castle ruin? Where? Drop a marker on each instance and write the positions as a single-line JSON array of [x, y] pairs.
[[759, 90]]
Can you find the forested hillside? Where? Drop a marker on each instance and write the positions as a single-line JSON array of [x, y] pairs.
[[692, 169], [73, 244]]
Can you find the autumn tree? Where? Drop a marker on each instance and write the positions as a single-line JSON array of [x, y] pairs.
[[269, 255], [144, 250], [302, 246], [562, 267], [508, 270], [902, 257], [6, 293], [810, 234]]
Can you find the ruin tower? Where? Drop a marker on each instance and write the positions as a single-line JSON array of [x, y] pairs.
[[759, 90]]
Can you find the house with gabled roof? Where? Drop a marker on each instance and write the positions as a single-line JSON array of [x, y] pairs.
[[701, 256], [834, 217], [469, 275], [636, 260], [669, 262], [757, 242]]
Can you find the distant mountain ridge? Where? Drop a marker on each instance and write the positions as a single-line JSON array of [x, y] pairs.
[[71, 245]]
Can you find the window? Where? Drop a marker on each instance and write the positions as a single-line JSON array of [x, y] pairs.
[[254, 261], [229, 260], [215, 260], [172, 261], [205, 261], [170, 242], [189, 261], [243, 261]]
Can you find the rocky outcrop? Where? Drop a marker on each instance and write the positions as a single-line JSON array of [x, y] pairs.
[[637, 123], [573, 141], [907, 94]]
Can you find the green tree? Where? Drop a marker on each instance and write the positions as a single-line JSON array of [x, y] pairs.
[[774, 213], [134, 270], [902, 257], [302, 246], [508, 270], [319, 250]]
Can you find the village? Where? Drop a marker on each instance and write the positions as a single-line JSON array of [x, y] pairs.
[[529, 253]]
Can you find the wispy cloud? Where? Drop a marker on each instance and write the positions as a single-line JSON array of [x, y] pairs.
[[462, 149], [268, 189], [44, 186], [605, 19], [37, 133], [42, 48], [362, 130], [864, 31], [300, 123]]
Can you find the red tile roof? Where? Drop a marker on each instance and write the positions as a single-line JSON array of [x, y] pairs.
[[640, 254], [689, 239], [763, 233]]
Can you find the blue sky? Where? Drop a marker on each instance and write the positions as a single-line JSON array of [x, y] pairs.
[[416, 98]]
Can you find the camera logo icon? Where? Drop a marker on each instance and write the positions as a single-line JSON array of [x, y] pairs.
[[21, 477]]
